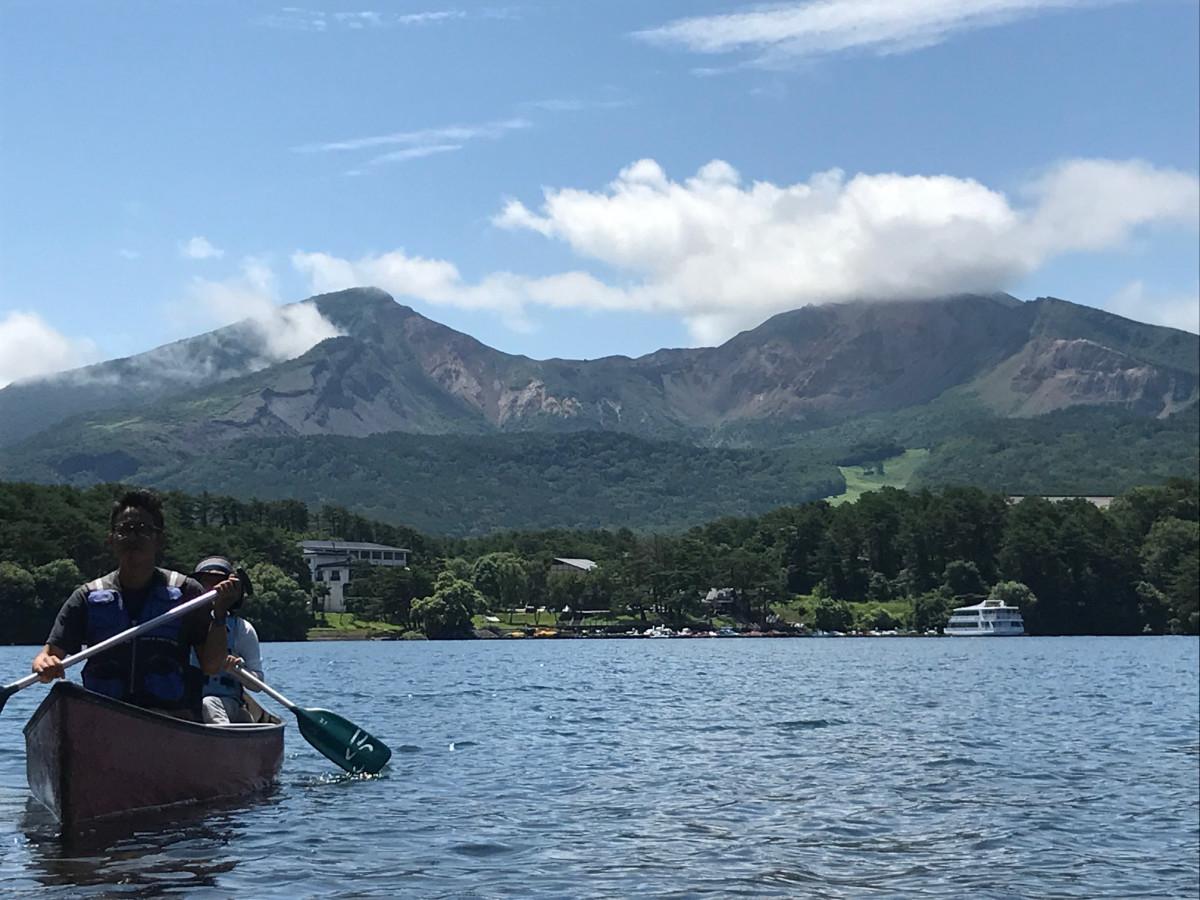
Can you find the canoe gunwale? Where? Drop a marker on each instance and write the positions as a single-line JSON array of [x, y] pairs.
[[68, 689]]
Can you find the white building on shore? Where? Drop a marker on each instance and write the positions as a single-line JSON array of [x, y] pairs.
[[329, 564], [570, 566]]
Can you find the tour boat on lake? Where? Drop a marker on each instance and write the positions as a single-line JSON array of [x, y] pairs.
[[991, 618]]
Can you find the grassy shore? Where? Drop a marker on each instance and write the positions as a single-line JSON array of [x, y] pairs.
[[348, 627]]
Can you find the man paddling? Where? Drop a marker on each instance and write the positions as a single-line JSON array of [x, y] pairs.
[[150, 670]]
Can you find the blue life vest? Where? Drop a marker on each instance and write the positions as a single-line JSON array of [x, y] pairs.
[[149, 670], [224, 684]]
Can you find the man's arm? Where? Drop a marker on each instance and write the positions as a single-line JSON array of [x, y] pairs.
[[66, 637], [211, 650], [47, 665], [250, 652]]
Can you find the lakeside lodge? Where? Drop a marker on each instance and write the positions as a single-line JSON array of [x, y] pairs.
[[329, 564]]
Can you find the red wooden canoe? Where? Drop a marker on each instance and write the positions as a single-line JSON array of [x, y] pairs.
[[90, 757]]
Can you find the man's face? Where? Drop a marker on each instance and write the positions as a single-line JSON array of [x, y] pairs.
[[134, 537]]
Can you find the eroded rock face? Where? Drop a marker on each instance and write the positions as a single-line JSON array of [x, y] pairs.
[[1054, 373], [392, 369]]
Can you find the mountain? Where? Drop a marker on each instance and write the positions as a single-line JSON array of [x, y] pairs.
[[395, 370], [813, 381], [28, 406]]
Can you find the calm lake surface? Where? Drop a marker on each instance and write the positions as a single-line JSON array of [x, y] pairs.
[[1034, 767]]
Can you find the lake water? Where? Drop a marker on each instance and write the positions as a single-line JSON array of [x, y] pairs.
[[817, 768]]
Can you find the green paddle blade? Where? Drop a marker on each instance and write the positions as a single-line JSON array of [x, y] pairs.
[[341, 741]]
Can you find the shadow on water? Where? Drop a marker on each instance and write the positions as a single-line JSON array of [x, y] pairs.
[[145, 854]]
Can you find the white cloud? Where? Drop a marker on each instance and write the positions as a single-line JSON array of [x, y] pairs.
[[724, 255], [29, 347], [1091, 204], [294, 18], [1175, 310], [286, 331], [126, 253], [780, 34], [408, 153], [428, 18], [200, 248], [421, 138], [417, 144], [572, 105]]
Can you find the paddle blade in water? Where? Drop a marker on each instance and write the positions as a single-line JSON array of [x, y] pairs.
[[341, 741]]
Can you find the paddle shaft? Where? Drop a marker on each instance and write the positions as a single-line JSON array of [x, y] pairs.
[[120, 637], [259, 684]]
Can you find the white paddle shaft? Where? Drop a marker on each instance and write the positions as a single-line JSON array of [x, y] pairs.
[[120, 637], [261, 685]]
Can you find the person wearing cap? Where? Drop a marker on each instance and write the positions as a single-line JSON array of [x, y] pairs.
[[152, 669], [224, 698]]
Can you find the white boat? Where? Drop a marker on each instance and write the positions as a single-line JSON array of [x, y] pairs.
[[991, 618]]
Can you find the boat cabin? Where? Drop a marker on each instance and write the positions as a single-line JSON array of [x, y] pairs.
[[991, 618]]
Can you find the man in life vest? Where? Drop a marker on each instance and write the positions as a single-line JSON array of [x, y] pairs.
[[224, 696], [151, 670]]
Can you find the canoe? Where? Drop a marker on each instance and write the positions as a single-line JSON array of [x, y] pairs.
[[90, 757]]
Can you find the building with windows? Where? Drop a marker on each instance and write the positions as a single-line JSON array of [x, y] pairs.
[[566, 566], [329, 564]]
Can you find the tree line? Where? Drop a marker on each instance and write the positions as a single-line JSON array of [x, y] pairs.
[[1072, 568]]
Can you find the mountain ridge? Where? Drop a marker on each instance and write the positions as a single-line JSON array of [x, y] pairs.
[[918, 371], [397, 370]]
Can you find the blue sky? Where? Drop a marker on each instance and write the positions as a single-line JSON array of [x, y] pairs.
[[581, 179]]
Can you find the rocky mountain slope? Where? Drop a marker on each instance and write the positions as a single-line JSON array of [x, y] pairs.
[[913, 370], [395, 370]]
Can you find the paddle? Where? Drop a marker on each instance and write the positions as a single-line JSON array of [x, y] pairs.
[[183, 608], [339, 740]]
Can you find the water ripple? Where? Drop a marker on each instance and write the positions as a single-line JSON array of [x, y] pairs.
[[1062, 768]]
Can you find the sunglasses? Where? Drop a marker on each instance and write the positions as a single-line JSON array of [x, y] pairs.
[[137, 529]]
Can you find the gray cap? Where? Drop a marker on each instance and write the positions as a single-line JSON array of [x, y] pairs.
[[218, 565]]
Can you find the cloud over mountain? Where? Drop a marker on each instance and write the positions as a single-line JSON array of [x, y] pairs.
[[724, 254], [30, 347], [285, 331]]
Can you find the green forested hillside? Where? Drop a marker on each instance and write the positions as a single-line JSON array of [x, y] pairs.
[[476, 484], [1083, 450], [1086, 451], [462, 485]]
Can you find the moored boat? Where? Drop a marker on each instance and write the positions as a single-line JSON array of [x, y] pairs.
[[90, 757], [991, 618]]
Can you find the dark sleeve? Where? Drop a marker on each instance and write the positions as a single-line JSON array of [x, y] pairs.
[[71, 624], [195, 623]]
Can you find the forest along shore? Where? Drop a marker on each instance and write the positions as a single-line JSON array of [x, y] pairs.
[[893, 562]]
